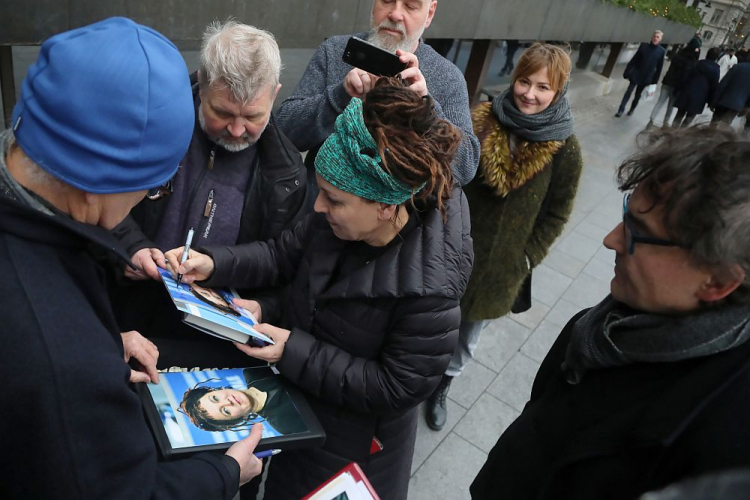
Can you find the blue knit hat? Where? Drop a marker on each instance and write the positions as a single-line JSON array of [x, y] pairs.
[[106, 108]]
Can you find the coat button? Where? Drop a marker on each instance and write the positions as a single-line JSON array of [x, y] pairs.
[[296, 183]]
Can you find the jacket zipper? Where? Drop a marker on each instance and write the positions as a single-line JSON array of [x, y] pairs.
[[194, 191]]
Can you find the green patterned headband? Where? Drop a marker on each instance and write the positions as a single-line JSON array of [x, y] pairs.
[[350, 161]]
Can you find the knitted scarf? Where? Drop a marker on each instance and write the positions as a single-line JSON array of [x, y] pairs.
[[612, 334], [553, 124], [500, 170]]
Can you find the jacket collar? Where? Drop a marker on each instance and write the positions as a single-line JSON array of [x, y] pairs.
[[56, 230]]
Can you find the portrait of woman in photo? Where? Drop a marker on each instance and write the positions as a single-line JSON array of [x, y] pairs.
[[227, 409]]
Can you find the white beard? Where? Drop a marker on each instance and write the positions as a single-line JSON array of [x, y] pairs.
[[392, 43]]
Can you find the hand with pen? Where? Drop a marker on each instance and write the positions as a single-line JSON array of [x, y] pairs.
[[199, 267]]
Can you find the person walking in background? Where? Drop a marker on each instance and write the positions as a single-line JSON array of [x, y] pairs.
[[733, 94], [528, 175], [698, 90], [681, 66], [511, 46], [643, 69], [727, 62]]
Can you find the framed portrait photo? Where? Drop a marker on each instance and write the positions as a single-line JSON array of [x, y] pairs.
[[194, 411]]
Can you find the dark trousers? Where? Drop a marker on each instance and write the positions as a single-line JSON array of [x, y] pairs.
[[638, 91], [724, 115], [683, 118]]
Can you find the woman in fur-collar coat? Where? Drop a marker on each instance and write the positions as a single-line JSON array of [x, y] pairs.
[[521, 198]]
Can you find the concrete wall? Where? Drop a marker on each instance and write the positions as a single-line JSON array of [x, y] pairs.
[[305, 23]]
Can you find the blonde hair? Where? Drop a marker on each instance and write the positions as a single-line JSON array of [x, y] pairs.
[[544, 55]]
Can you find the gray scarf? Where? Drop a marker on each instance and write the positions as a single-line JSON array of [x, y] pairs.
[[553, 124], [612, 334]]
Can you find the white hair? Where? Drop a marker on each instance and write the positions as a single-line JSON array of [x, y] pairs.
[[241, 57], [33, 173]]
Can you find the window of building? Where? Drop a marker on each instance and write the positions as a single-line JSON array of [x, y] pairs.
[[707, 35], [718, 13]]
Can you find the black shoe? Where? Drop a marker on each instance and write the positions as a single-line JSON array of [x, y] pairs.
[[630, 113], [618, 114], [437, 412]]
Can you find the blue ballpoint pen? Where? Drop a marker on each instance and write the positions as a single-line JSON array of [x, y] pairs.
[[185, 252], [267, 453]]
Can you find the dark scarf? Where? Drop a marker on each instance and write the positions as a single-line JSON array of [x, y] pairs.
[[612, 334], [553, 124]]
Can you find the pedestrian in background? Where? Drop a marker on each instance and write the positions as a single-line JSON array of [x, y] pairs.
[[727, 62], [511, 46], [733, 95], [682, 64], [529, 170], [698, 90], [644, 69]]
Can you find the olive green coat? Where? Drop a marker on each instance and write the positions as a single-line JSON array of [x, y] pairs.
[[508, 228]]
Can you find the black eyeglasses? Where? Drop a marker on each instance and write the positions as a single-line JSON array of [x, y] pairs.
[[631, 233], [160, 192]]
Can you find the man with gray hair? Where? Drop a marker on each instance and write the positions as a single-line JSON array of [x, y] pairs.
[[644, 69], [328, 84], [652, 385], [241, 180]]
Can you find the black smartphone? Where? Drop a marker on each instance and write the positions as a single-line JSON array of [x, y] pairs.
[[367, 57]]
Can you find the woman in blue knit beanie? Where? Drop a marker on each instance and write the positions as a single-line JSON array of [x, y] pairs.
[[376, 275]]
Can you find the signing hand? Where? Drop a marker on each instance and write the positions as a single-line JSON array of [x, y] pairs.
[[147, 262], [242, 451], [270, 353], [138, 347], [197, 267], [252, 306], [357, 82], [412, 75]]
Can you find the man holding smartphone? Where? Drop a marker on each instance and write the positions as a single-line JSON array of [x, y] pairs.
[[328, 84]]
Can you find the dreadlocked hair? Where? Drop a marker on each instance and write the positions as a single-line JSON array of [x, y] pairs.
[[415, 145]]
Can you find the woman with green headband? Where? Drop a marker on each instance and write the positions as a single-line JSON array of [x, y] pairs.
[[376, 277]]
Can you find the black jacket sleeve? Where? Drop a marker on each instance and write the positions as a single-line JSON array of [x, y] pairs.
[[415, 354], [129, 233], [261, 264]]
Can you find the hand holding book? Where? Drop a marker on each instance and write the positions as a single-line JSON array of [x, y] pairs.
[[242, 452], [270, 353], [197, 267]]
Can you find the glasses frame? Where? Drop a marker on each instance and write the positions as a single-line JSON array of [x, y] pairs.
[[635, 237], [160, 192]]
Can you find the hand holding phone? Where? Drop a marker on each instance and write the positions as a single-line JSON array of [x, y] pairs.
[[412, 75], [371, 59]]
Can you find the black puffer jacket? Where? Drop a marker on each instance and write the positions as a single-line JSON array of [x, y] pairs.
[[699, 88], [679, 69], [366, 347]]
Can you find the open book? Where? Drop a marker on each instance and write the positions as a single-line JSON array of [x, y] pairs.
[[349, 484], [212, 311], [195, 411]]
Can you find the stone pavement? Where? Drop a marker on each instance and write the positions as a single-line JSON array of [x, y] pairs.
[[495, 386]]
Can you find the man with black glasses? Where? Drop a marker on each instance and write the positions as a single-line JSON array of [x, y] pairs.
[[652, 385]]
